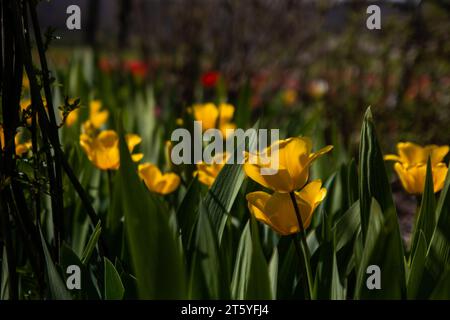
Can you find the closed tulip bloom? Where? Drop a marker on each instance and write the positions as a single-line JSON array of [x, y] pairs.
[[413, 177], [72, 117], [295, 157], [156, 181], [411, 165], [103, 149], [277, 210]]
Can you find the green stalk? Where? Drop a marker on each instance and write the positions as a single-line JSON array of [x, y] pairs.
[[304, 245]]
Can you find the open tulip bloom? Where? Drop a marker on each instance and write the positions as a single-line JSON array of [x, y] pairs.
[[103, 149], [277, 211]]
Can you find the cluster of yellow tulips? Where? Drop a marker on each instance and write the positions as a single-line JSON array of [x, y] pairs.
[[277, 210], [102, 149]]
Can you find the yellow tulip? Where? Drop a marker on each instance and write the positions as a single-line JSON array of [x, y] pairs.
[[156, 181], [21, 146], [97, 117], [72, 117], [213, 116], [25, 107], [411, 154], [294, 160], [413, 177], [207, 113], [277, 210], [207, 173], [411, 165], [103, 149]]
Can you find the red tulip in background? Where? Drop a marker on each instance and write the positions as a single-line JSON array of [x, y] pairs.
[[210, 78], [137, 68]]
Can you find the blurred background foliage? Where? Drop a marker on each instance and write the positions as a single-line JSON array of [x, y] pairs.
[[277, 47]]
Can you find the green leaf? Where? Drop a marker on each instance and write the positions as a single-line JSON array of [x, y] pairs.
[[273, 272], [373, 180], [92, 243], [352, 182], [324, 272], [346, 227], [187, 212], [381, 249], [438, 255], [114, 288], [58, 290], [442, 290], [88, 290], [425, 220], [417, 266], [250, 276], [207, 274], [221, 196], [287, 276], [155, 253], [338, 291]]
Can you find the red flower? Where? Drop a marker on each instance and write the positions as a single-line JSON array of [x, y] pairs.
[[209, 79], [137, 68]]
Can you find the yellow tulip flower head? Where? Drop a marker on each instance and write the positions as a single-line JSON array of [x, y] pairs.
[[156, 181], [97, 116], [277, 210], [207, 173], [411, 154], [22, 146], [295, 157], [103, 149], [72, 117], [213, 116], [411, 166], [413, 177]]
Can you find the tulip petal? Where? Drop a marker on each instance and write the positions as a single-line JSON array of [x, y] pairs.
[[132, 141], [277, 210], [156, 181], [256, 203], [207, 113], [226, 112], [280, 181], [391, 157]]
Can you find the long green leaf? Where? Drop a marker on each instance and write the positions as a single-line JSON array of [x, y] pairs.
[[373, 180], [250, 277], [425, 220], [114, 288], [58, 290], [207, 274], [417, 266], [155, 253], [221, 196]]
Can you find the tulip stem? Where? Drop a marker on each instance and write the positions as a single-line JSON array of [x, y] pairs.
[[305, 249], [110, 185]]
